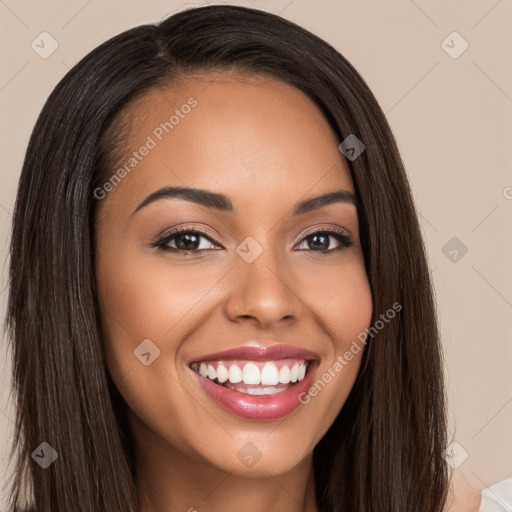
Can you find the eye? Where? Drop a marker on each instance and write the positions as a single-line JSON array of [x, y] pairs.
[[184, 240], [319, 241]]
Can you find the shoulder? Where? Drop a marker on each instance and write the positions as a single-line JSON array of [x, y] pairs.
[[464, 498], [498, 497]]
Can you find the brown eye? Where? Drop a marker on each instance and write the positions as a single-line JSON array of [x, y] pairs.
[[184, 240], [319, 241]]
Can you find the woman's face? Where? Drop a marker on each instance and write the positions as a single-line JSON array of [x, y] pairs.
[[269, 282]]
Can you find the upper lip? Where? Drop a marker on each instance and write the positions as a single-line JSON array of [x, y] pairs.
[[260, 353]]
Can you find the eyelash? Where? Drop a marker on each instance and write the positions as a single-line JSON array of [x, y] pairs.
[[344, 240]]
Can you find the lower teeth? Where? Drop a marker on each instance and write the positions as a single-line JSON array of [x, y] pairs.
[[267, 390]]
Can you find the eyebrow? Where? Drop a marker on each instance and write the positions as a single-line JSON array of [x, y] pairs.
[[222, 202]]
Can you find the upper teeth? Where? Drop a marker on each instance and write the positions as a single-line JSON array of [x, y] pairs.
[[266, 373]]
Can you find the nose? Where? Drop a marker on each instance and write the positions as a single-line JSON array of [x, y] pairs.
[[262, 291]]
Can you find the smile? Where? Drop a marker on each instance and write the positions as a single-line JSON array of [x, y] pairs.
[[257, 383], [253, 377]]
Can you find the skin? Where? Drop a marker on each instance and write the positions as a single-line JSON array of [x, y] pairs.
[[267, 146], [465, 496]]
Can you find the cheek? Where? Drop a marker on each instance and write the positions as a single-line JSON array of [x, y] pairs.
[[138, 302], [129, 305], [140, 298], [349, 314], [343, 302], [345, 310]]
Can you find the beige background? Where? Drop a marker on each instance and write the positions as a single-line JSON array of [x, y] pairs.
[[452, 118]]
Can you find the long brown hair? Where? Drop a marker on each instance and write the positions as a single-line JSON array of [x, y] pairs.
[[384, 450]]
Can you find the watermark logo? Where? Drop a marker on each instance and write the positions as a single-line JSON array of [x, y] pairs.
[[147, 352], [352, 147], [45, 455], [454, 249], [44, 45], [249, 455], [455, 455], [249, 249], [454, 45]]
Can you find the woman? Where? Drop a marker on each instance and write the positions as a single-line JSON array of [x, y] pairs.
[[219, 292]]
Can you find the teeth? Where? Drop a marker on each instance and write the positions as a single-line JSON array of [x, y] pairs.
[[261, 391], [212, 374], [302, 371], [294, 372], [270, 374], [235, 374], [284, 375], [253, 373], [222, 373]]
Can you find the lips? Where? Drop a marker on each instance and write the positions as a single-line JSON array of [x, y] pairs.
[[257, 383], [259, 353]]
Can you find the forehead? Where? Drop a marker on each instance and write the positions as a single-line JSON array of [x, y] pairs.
[[248, 137]]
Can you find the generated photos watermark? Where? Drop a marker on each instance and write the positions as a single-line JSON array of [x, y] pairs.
[[348, 355], [157, 135]]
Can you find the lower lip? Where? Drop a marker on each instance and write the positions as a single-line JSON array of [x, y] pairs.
[[260, 407]]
